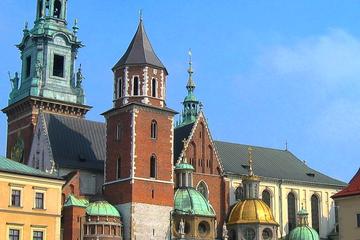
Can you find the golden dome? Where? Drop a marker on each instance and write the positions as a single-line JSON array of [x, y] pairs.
[[251, 211]]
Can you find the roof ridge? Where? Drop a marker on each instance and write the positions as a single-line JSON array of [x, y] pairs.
[[256, 146]]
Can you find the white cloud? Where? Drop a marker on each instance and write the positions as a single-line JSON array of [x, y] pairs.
[[331, 59]]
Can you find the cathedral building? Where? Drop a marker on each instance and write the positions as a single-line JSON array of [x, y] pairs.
[[150, 176]]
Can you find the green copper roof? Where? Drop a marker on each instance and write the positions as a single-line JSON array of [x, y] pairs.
[[184, 166], [304, 233], [190, 201], [190, 98], [102, 208], [71, 200], [7, 165]]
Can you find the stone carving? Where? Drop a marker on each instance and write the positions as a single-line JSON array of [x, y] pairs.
[[39, 69], [14, 81], [182, 228], [225, 232], [79, 77]]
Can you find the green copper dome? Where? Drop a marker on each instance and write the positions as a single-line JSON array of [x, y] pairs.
[[190, 201], [184, 166], [102, 208], [304, 233]]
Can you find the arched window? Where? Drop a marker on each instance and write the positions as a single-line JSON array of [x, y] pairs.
[[203, 189], [136, 86], [266, 197], [119, 88], [118, 132], [239, 193], [153, 129], [153, 87], [153, 166], [118, 168], [291, 211], [57, 8], [315, 212]]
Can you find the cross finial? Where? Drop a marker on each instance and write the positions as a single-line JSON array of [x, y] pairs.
[[141, 15], [250, 149], [184, 142]]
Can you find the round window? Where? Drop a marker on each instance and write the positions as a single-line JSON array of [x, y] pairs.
[[203, 228], [249, 234], [267, 234]]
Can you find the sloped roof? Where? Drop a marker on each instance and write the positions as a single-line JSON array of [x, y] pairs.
[[271, 163], [140, 51], [76, 143], [10, 166], [181, 133], [352, 189]]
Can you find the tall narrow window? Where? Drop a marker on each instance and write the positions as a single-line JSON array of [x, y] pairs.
[[153, 167], [266, 197], [118, 132], [40, 7], [58, 66], [153, 87], [57, 8], [136, 86], [315, 212], [118, 168], [119, 88], [203, 189], [14, 234], [28, 67], [15, 198], [358, 220], [39, 200], [153, 129], [291, 211]]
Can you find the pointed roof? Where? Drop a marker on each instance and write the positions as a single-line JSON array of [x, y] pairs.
[[140, 51], [352, 189]]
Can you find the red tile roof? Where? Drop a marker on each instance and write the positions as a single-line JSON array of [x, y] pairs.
[[352, 189]]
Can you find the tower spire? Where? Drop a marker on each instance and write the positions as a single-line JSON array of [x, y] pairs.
[[191, 104], [250, 171]]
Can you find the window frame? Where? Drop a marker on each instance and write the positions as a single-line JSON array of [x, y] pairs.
[[154, 129], [119, 87], [14, 227], [133, 86], [43, 199], [16, 188], [154, 88], [153, 172], [28, 63], [294, 218], [38, 229], [358, 219], [53, 66]]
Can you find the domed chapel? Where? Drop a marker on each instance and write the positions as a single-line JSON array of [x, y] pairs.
[[143, 173]]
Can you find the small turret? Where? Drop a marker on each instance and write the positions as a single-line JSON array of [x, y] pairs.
[[303, 231]]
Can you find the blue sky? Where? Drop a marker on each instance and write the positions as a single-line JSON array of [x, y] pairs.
[[266, 71]]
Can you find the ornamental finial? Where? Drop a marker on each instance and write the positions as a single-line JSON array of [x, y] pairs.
[[75, 27], [250, 172], [140, 15]]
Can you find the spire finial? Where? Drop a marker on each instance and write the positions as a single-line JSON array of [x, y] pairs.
[[75, 27], [140, 15], [190, 85], [250, 172], [286, 145]]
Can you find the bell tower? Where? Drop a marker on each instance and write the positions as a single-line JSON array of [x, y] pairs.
[[48, 79], [139, 144]]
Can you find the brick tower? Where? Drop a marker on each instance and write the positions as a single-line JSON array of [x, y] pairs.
[[48, 79], [138, 167]]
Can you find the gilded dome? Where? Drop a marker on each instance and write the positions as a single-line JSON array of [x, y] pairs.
[[102, 208], [251, 211], [190, 201]]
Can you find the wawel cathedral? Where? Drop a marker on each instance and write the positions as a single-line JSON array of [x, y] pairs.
[[141, 174]]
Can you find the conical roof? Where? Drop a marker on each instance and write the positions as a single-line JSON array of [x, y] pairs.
[[140, 51]]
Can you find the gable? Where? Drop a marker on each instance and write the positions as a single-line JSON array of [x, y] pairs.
[[199, 148]]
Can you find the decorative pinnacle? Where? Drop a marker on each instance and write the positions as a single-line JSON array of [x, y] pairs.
[[75, 27], [250, 172], [26, 27], [190, 85]]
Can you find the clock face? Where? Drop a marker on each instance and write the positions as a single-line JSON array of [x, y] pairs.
[[249, 234], [17, 152]]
